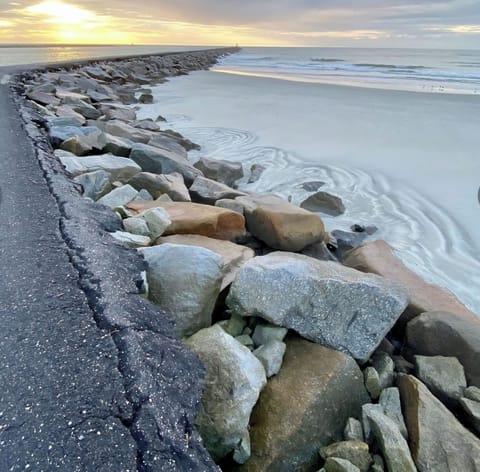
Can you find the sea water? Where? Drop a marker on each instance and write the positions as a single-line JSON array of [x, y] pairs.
[[403, 155]]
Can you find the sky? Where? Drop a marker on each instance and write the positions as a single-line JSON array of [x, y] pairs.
[[363, 23]]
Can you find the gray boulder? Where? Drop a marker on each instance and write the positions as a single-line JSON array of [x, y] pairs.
[[392, 444], [118, 197], [123, 130], [170, 267], [439, 442], [323, 301], [117, 146], [324, 202], [83, 144], [118, 111], [353, 430], [230, 204], [160, 161], [164, 141], [256, 171], [121, 169], [208, 191], [233, 383], [385, 366], [157, 220], [472, 408], [95, 184], [444, 376], [59, 134], [222, 171], [446, 334], [472, 393], [265, 333], [159, 184], [372, 382]]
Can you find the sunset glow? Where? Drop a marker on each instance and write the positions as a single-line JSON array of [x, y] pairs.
[[268, 23]]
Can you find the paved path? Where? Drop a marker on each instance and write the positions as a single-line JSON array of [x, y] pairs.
[[74, 332]]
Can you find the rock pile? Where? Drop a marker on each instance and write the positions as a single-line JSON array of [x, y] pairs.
[[360, 366]]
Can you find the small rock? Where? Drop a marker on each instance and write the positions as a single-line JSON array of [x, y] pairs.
[[147, 124], [313, 185], [256, 172], [243, 451], [378, 464], [402, 366], [391, 405], [157, 220], [271, 356], [392, 444], [320, 251], [324, 202], [385, 366], [355, 452], [367, 430], [146, 98], [95, 184], [160, 184], [472, 408], [132, 240], [118, 197], [372, 382], [208, 191], [224, 172], [472, 393], [265, 333], [444, 376], [235, 325], [347, 241], [353, 430], [245, 340], [335, 464], [144, 195], [136, 226]]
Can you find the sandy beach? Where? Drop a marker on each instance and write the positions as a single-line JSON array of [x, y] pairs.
[[400, 160]]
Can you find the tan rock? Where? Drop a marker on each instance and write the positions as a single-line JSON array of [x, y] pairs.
[[437, 439], [233, 254], [378, 257], [280, 224], [304, 407], [194, 218]]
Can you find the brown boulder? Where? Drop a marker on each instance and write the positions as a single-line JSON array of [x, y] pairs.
[[378, 257], [438, 441], [447, 334], [194, 218], [304, 407], [280, 224]]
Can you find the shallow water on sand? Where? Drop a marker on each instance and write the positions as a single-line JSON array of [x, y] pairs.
[[403, 163]]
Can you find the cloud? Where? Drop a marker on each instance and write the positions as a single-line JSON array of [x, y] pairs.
[[282, 22]]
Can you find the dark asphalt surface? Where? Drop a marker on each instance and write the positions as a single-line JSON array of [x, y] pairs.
[[91, 376]]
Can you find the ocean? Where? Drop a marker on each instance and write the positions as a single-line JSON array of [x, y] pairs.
[[419, 70]]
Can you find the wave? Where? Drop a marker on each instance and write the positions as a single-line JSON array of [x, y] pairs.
[[324, 59], [390, 66]]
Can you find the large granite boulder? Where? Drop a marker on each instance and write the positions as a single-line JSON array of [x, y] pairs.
[[378, 257], [95, 184], [233, 255], [323, 301], [193, 218], [233, 383], [208, 191], [82, 144], [123, 130], [158, 184], [447, 334], [59, 134], [222, 171], [164, 141], [304, 407], [118, 111], [121, 169], [161, 161], [118, 197], [198, 271], [280, 224], [438, 441]]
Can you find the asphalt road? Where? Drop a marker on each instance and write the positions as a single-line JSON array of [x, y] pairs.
[[91, 376]]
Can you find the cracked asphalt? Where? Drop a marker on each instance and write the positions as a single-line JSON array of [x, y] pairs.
[[92, 377]]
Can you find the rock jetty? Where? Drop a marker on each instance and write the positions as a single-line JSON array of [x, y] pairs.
[[310, 363]]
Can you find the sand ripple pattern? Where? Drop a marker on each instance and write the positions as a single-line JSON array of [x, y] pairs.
[[427, 239]]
